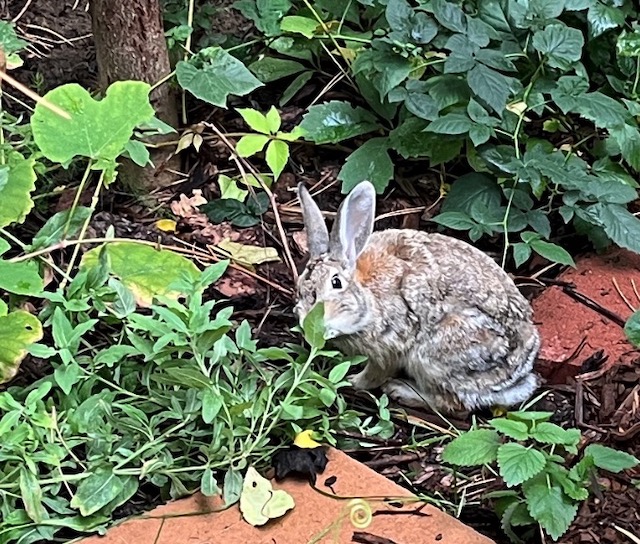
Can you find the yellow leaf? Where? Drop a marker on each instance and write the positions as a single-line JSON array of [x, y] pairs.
[[517, 107], [304, 440], [166, 225], [249, 254], [259, 502]]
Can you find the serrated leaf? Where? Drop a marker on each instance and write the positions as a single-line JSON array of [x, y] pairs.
[[470, 189], [273, 119], [508, 427], [628, 44], [552, 252], [371, 161], [250, 144], [518, 463], [18, 330], [561, 45], [213, 74], [454, 220], [452, 123], [277, 156], [17, 181], [602, 17], [549, 506], [491, 86], [336, 121], [255, 119], [98, 130], [609, 459], [422, 106], [476, 447], [550, 433], [619, 224], [146, 271]]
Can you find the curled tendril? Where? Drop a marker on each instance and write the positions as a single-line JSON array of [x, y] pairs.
[[360, 513]]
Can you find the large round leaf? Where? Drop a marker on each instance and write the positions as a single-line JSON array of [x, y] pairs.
[[17, 181], [146, 271], [18, 330], [98, 130]]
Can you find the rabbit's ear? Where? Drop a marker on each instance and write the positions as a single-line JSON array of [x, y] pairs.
[[354, 224], [314, 225]]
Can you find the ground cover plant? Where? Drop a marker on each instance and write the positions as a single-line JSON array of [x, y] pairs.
[[140, 383]]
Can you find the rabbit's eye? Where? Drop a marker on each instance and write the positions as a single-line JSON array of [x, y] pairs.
[[336, 283]]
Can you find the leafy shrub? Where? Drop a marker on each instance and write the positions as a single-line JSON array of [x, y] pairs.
[[532, 455], [537, 99]]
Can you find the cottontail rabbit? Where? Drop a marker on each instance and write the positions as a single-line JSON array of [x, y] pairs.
[[426, 305]]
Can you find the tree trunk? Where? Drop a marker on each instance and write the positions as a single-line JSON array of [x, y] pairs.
[[130, 45]]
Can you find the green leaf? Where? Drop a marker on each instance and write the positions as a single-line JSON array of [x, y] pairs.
[[98, 130], [213, 74], [619, 224], [338, 372], [265, 14], [67, 376], [452, 123], [9, 40], [476, 447], [561, 45], [251, 144], [549, 506], [22, 278], [508, 427], [96, 491], [256, 120], [17, 181], [422, 106], [632, 328], [518, 463], [602, 17], [232, 487], [229, 188], [270, 69], [273, 119], [138, 153], [530, 415], [335, 121], [628, 44], [491, 86], [294, 87], [143, 269], [18, 330], [4, 309], [549, 251], [299, 25], [277, 156], [208, 484], [610, 459], [313, 327], [550, 433], [449, 15], [470, 189], [521, 253], [454, 220], [31, 493], [371, 161], [211, 405], [53, 231]]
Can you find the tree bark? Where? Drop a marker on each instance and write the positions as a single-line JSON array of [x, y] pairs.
[[130, 45]]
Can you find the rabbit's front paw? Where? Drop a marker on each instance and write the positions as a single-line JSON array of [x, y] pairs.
[[369, 378], [406, 393]]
